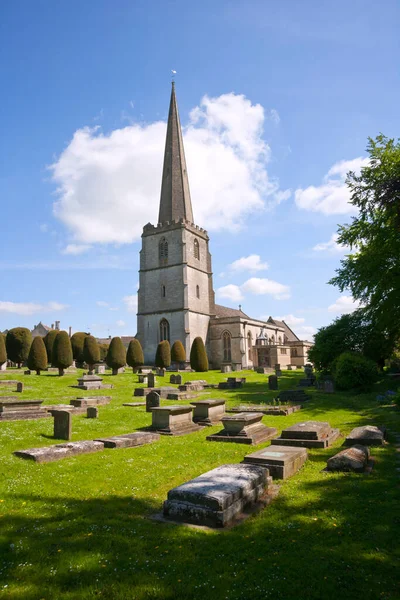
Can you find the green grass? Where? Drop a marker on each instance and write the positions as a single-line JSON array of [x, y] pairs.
[[79, 528]]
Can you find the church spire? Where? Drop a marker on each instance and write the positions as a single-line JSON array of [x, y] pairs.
[[175, 200]]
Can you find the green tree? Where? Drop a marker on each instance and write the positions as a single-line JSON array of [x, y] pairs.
[[103, 351], [354, 371], [198, 356], [163, 355], [62, 352], [372, 271], [3, 352], [49, 343], [178, 354], [91, 352], [116, 356], [77, 343], [134, 356], [37, 359], [18, 343]]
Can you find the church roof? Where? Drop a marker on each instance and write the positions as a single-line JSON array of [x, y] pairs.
[[175, 202], [291, 336], [224, 311]]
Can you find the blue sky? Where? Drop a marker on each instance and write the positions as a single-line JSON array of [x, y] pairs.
[[277, 100]]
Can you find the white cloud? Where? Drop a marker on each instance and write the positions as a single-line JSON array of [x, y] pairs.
[[332, 196], [344, 305], [120, 323], [30, 308], [231, 292], [291, 320], [249, 263], [76, 249], [109, 184], [331, 246], [259, 286], [131, 302], [103, 304], [305, 332]]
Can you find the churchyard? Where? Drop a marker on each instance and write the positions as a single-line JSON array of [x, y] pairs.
[[84, 527]]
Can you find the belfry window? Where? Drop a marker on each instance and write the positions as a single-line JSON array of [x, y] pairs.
[[163, 251], [197, 291], [164, 330], [163, 291], [196, 250], [226, 342]]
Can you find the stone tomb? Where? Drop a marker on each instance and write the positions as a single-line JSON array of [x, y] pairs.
[[100, 369], [218, 497], [367, 435], [281, 461], [173, 420], [92, 382], [266, 409], [129, 440], [93, 401], [208, 412], [62, 424], [152, 401], [309, 434], [193, 386], [244, 428], [351, 459], [53, 453], [14, 409]]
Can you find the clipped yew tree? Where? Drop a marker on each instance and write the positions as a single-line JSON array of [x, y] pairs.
[[77, 343], [116, 355], [37, 359], [163, 355], [178, 354], [49, 343], [62, 352], [18, 344], [134, 356], [198, 356], [3, 352], [91, 352]]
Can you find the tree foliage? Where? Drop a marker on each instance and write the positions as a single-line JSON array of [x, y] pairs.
[[354, 371], [77, 343], [198, 356], [134, 355], [372, 271], [49, 343], [116, 356], [3, 352], [163, 355], [37, 359], [91, 351], [103, 351], [62, 352], [18, 343], [178, 354]]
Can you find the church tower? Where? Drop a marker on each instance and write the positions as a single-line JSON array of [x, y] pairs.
[[176, 297]]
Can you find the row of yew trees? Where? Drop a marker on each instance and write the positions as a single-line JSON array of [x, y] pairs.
[[59, 350]]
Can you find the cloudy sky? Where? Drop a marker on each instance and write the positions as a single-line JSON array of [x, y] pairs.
[[277, 100]]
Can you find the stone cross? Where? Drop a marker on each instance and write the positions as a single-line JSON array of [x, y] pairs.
[[62, 424], [152, 401]]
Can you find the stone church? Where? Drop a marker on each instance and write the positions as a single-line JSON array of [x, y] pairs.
[[176, 296]]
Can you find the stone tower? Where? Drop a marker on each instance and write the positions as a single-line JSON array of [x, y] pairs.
[[176, 297]]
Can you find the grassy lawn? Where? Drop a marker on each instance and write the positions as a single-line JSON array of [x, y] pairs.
[[79, 528]]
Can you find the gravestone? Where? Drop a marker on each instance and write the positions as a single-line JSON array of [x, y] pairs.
[[208, 412], [281, 461], [278, 371], [226, 368], [328, 387], [94, 401], [217, 497], [92, 412], [308, 434], [20, 386], [27, 372], [161, 372], [296, 396], [151, 380], [152, 401], [351, 459], [173, 420], [193, 386], [62, 424], [129, 440], [244, 428], [142, 378], [100, 369], [59, 451], [176, 379], [367, 435], [273, 382], [3, 367]]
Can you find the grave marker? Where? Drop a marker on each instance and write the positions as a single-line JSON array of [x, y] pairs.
[[62, 424]]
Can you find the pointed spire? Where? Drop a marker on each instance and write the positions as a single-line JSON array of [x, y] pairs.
[[175, 200]]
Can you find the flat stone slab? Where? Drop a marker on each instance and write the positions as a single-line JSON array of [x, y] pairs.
[[367, 435], [51, 408], [281, 461], [308, 434], [351, 459], [93, 401], [244, 428], [53, 453], [266, 409], [296, 396], [14, 409], [173, 420], [167, 393], [217, 497], [9, 382], [208, 412], [129, 440], [134, 404]]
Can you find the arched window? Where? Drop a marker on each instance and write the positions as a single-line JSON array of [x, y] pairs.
[[280, 340], [273, 340], [163, 251], [196, 249], [164, 330], [197, 291], [226, 342], [293, 351], [249, 343], [163, 291]]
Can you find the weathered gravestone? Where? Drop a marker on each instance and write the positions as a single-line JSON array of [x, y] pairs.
[[173, 420], [152, 401], [129, 440], [308, 434], [281, 461], [161, 372], [59, 451], [226, 368], [367, 435], [176, 379], [208, 412], [100, 369], [244, 428], [142, 378], [92, 412], [351, 459], [273, 382], [151, 380], [94, 401], [20, 386], [328, 386], [219, 496], [62, 424]]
